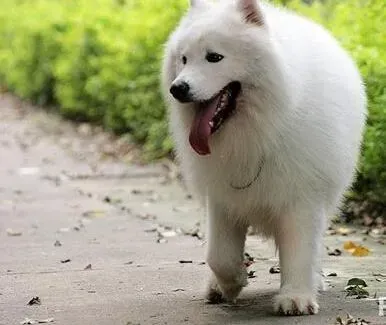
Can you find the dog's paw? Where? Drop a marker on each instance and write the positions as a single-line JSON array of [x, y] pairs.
[[214, 294], [294, 304], [226, 292]]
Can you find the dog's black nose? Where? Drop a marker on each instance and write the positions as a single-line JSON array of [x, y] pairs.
[[180, 92]]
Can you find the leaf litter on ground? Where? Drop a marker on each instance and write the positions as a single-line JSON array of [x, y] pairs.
[[355, 288], [344, 231], [111, 200], [57, 243], [67, 260], [335, 252], [350, 320], [274, 269], [13, 233], [34, 301], [185, 261], [248, 260], [88, 267], [356, 250], [28, 321], [94, 214], [194, 232], [251, 274]]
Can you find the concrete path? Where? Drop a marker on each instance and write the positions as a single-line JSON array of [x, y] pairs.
[[104, 242]]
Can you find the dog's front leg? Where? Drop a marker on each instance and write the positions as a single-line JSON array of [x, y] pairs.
[[299, 237], [225, 256]]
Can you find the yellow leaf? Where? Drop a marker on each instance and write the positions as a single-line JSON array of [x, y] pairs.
[[361, 251], [349, 245]]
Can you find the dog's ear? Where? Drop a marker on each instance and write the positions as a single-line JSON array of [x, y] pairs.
[[197, 3], [251, 11]]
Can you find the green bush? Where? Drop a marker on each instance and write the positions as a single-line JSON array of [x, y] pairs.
[[360, 25], [99, 60], [99, 65], [109, 69], [28, 47]]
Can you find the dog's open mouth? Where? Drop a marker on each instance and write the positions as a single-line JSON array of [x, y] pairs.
[[211, 114]]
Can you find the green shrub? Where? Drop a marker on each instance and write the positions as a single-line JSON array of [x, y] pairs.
[[99, 60], [113, 73], [29, 45], [99, 65], [360, 26]]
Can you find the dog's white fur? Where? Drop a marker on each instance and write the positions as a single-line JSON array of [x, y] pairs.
[[302, 109]]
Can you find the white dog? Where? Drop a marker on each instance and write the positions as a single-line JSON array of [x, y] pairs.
[[267, 113]]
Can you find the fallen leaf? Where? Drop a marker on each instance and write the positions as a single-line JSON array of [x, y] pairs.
[[110, 200], [38, 321], [151, 230], [146, 216], [251, 274], [356, 250], [248, 260], [350, 320], [357, 291], [274, 269], [195, 232], [88, 267], [13, 233], [332, 274], [356, 282], [34, 301], [355, 287], [65, 261], [345, 231], [348, 245], [335, 252], [57, 243], [185, 261], [94, 214], [177, 290], [361, 251], [168, 234]]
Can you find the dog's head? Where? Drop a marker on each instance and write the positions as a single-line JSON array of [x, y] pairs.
[[216, 52]]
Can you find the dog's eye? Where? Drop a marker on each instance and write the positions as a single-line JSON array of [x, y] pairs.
[[184, 60], [213, 57]]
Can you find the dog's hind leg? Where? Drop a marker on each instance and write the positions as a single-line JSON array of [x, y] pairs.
[[225, 256]]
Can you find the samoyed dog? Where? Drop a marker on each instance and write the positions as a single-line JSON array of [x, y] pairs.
[[267, 113]]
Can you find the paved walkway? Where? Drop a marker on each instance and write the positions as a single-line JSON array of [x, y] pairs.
[[103, 242]]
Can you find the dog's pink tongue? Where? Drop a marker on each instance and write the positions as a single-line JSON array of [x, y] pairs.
[[200, 131]]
